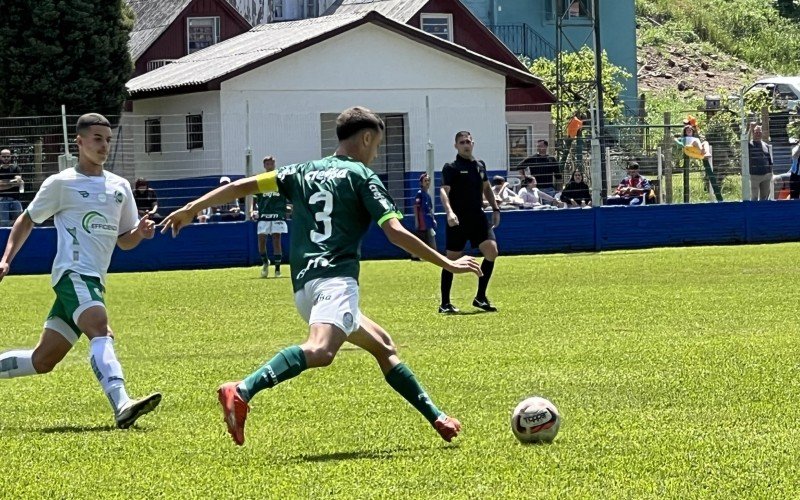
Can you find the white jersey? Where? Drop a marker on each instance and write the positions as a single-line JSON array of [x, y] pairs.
[[90, 212]]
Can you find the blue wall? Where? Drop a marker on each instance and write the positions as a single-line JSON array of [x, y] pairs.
[[204, 246], [617, 28]]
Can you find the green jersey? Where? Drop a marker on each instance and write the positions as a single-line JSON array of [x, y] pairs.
[[334, 199], [271, 206]]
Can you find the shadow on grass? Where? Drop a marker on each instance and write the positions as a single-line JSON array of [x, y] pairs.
[[78, 429], [362, 455], [468, 313]]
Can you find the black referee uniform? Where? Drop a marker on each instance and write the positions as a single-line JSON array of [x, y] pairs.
[[466, 181]]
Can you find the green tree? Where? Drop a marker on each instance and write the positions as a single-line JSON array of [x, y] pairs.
[[72, 52], [579, 67]]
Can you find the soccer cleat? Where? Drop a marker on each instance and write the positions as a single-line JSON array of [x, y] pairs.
[[135, 408], [234, 409], [265, 271], [447, 427], [484, 304], [448, 309], [277, 274]]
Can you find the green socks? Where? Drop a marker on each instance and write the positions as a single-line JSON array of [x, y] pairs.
[[402, 380], [287, 364]]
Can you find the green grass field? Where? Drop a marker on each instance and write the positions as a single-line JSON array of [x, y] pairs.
[[675, 370]]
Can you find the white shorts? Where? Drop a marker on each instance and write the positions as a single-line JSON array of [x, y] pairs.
[[272, 227], [330, 300]]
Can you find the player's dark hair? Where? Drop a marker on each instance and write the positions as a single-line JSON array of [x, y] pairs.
[[544, 141], [463, 133], [90, 119], [355, 119]]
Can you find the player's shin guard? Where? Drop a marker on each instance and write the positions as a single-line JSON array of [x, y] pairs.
[[487, 266], [264, 258], [16, 364], [402, 380], [287, 364], [108, 371]]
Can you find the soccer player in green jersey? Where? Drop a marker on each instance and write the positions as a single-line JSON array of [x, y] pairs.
[[270, 212], [94, 210], [334, 200]]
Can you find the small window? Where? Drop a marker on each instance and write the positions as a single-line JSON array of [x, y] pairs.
[[152, 136], [277, 10], [440, 25], [194, 132], [202, 32], [520, 138]]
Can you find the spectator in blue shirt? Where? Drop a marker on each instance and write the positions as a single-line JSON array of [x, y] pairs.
[[424, 221]]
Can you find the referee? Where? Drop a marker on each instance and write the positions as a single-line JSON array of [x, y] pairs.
[[464, 181]]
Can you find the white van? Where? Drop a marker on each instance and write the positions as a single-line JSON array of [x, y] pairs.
[[784, 90]]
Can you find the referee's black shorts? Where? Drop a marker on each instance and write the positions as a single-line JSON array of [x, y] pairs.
[[474, 228]]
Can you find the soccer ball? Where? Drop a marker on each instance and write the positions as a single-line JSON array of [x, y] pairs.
[[535, 420]]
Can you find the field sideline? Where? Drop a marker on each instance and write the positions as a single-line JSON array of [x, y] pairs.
[[676, 372]]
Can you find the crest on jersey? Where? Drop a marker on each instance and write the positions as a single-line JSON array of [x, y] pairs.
[[84, 194], [118, 197]]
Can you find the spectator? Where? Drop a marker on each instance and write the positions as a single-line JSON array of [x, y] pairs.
[[503, 193], [576, 193], [760, 154], [146, 199], [11, 185], [574, 129], [632, 190], [424, 220], [534, 198], [544, 167], [708, 165], [229, 212], [794, 174]]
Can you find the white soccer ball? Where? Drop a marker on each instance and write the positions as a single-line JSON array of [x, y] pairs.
[[535, 420]]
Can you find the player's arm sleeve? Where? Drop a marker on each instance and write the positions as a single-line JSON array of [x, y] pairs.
[[482, 170], [379, 204], [447, 175], [129, 216], [46, 202]]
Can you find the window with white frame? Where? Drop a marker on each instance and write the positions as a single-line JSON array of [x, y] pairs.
[[194, 132], [520, 144], [440, 25], [201, 32], [277, 10]]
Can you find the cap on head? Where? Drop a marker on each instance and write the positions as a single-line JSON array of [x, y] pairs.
[[89, 120], [224, 179]]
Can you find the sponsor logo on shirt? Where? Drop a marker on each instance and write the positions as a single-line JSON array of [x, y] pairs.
[[321, 175], [96, 223], [84, 194]]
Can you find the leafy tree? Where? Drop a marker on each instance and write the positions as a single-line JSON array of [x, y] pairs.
[[72, 52], [579, 67]]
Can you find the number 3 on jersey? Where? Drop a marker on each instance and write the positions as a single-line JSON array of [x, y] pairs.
[[324, 216]]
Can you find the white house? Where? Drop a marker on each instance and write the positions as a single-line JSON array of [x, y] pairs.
[[278, 88]]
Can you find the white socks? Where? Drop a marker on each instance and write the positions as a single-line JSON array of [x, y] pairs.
[[16, 364], [108, 371]]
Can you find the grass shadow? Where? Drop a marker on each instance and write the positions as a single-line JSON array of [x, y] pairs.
[[360, 455], [76, 429]]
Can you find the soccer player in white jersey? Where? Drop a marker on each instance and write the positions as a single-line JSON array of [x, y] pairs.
[[93, 210]]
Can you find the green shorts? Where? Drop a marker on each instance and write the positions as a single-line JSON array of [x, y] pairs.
[[75, 293]]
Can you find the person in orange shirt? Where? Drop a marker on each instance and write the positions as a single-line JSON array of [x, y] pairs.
[[574, 128]]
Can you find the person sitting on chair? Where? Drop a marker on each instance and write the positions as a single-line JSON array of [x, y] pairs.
[[632, 190]]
